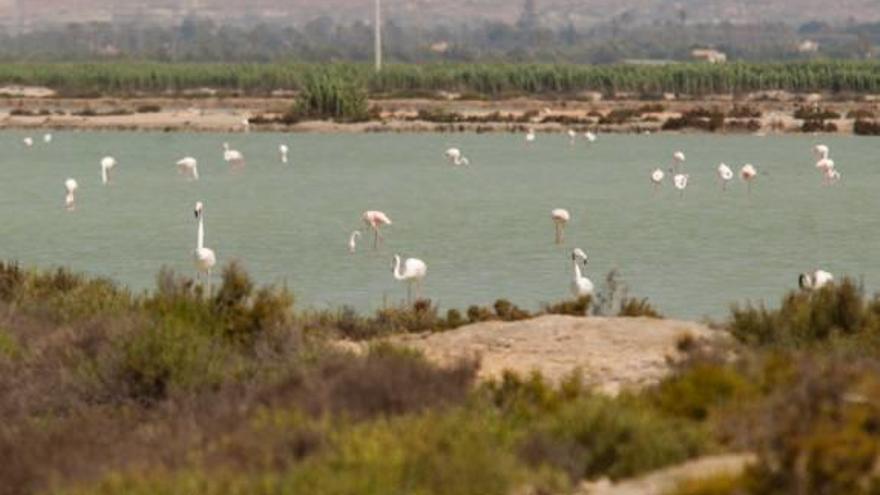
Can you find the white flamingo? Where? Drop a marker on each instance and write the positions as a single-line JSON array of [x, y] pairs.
[[591, 137], [232, 157], [581, 286], [572, 136], [725, 175], [815, 280], [821, 151], [108, 163], [28, 141], [204, 258], [747, 173], [283, 149], [47, 138], [454, 155], [374, 219], [681, 182], [189, 167], [412, 271], [530, 136], [560, 218], [70, 186], [352, 241], [679, 158], [657, 177]]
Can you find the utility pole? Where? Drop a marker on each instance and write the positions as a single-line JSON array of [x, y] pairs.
[[378, 36]]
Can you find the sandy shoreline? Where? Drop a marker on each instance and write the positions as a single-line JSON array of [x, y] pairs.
[[408, 115]]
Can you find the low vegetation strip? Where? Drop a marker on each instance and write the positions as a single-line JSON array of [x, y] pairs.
[[479, 80], [178, 391]]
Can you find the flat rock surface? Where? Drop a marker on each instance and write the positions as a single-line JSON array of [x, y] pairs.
[[611, 353]]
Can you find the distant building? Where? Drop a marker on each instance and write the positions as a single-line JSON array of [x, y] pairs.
[[440, 47], [709, 55], [808, 46]]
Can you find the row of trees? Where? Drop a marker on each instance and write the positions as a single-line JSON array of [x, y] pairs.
[[487, 80]]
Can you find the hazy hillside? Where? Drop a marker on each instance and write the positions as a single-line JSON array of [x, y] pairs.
[[552, 12]]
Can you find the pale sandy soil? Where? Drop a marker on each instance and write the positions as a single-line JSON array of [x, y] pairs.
[[665, 480], [226, 114], [611, 353]]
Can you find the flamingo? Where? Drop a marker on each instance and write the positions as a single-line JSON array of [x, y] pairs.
[[831, 176], [560, 218], [283, 149], [246, 124], [681, 182], [657, 177], [374, 220], [679, 158], [413, 272], [232, 157], [572, 135], [530, 136], [821, 151], [107, 165], [204, 258], [47, 138], [352, 241], [725, 174], [70, 186], [454, 155], [815, 280], [748, 173], [591, 138], [28, 141], [189, 167], [581, 286]]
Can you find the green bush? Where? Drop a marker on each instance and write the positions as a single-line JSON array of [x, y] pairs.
[[337, 93]]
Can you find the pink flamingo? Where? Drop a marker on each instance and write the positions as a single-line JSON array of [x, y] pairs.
[[560, 217], [375, 219]]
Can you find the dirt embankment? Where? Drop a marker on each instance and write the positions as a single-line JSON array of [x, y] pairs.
[[611, 353], [37, 108]]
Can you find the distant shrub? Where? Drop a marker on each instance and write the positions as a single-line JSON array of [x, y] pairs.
[[149, 108], [818, 126], [328, 94], [866, 128], [744, 112], [815, 113], [860, 114], [632, 307]]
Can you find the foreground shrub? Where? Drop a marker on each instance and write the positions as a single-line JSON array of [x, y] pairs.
[[809, 317]]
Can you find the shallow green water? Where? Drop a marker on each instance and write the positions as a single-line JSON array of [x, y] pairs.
[[484, 231]]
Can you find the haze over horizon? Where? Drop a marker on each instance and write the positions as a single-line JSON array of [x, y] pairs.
[[28, 14]]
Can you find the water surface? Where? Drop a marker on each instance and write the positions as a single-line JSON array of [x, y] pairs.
[[484, 231]]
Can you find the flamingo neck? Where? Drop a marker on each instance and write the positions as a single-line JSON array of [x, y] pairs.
[[200, 242], [577, 270], [104, 177], [397, 274]]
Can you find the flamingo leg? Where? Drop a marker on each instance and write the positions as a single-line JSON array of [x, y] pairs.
[[558, 234], [375, 238]]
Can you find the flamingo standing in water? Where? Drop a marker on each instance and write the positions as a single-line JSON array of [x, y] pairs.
[[657, 177], [530, 136], [47, 138], [681, 182], [572, 136], [581, 286], [352, 241], [108, 163], [747, 173], [374, 220], [233, 157], [454, 155], [725, 175], [831, 176], [678, 159], [28, 141], [189, 167], [815, 280], [560, 218], [283, 149], [70, 186], [412, 271], [591, 138], [204, 258]]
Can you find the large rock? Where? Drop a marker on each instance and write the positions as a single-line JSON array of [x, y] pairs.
[[611, 353]]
